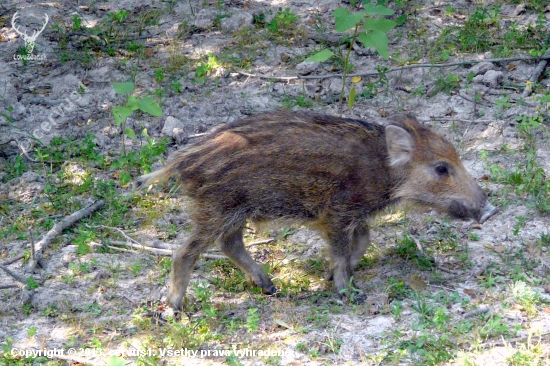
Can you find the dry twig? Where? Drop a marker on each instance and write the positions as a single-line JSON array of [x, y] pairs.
[[476, 312], [58, 229], [376, 73], [260, 242], [33, 255], [4, 287], [451, 119], [418, 245], [24, 151], [13, 260], [21, 279], [94, 244], [146, 248]]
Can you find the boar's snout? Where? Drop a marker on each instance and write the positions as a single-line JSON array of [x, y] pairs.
[[459, 210], [487, 211]]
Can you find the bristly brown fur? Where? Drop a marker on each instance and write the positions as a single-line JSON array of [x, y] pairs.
[[333, 172]]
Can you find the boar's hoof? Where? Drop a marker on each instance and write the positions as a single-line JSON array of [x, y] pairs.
[[357, 297], [269, 290], [177, 302]]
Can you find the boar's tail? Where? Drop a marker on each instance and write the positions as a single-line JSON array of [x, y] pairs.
[[155, 177]]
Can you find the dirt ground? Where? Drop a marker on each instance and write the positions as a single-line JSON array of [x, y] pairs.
[[102, 303]]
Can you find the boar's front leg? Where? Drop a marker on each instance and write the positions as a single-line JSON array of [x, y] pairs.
[[232, 246], [359, 244], [344, 250]]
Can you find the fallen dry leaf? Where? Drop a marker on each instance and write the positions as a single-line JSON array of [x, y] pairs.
[[417, 283]]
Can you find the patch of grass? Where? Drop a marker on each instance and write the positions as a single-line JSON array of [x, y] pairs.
[[527, 354], [494, 327], [481, 32], [303, 101], [528, 177], [525, 296], [8, 358], [398, 290], [424, 348], [407, 249], [252, 320], [205, 68], [225, 276], [447, 84], [283, 23], [61, 150]]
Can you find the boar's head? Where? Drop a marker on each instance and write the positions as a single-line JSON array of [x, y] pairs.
[[431, 172]]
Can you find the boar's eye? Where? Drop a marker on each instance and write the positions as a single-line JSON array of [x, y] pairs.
[[441, 169]]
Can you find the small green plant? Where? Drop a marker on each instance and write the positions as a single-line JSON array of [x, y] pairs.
[[233, 360], [92, 307], [82, 239], [252, 320], [290, 102], [135, 268], [7, 114], [504, 102], [301, 347], [490, 280], [31, 332], [27, 309], [8, 358], [205, 68], [284, 19], [51, 310], [446, 84], [118, 16], [396, 309], [397, 289], [177, 86], [494, 327], [32, 284], [407, 249], [17, 168], [68, 279], [524, 295], [440, 318], [424, 309], [96, 343], [368, 29], [122, 112], [333, 344], [427, 349], [77, 22], [519, 224], [159, 75], [79, 268]]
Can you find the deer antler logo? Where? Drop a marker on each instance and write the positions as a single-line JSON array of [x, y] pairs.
[[29, 40]]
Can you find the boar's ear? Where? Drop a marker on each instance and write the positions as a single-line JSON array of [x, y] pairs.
[[400, 145]]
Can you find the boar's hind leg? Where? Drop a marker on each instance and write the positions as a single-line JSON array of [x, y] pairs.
[[183, 262], [232, 246]]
